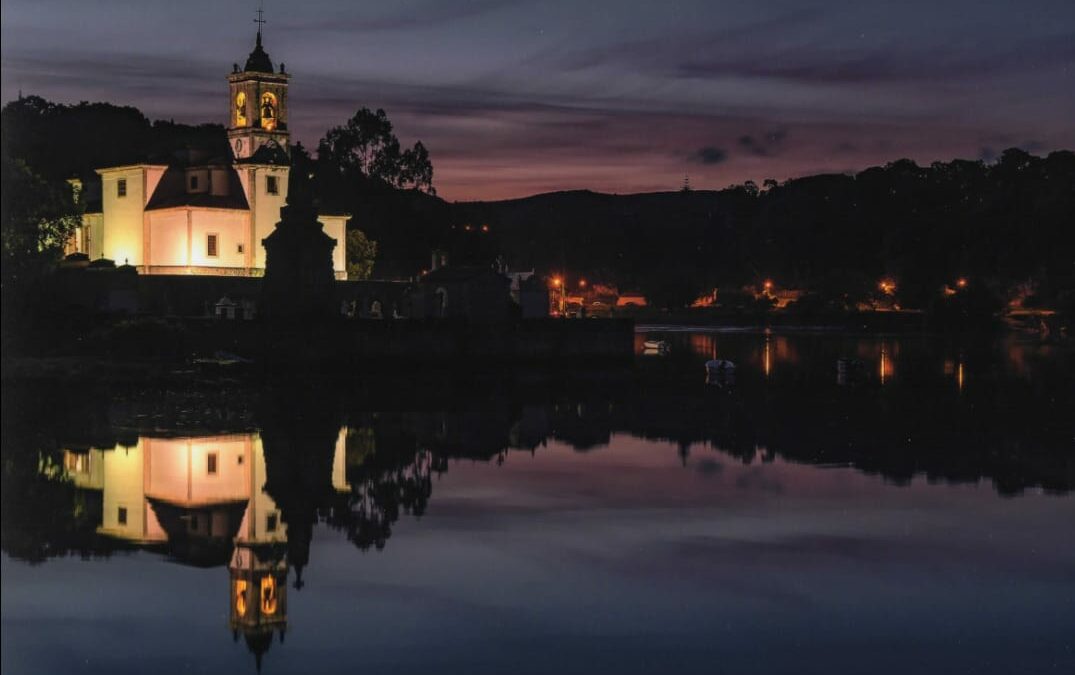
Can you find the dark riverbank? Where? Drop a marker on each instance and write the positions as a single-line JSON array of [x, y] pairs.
[[188, 349]]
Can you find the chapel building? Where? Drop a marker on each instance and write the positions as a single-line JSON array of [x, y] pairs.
[[205, 215]]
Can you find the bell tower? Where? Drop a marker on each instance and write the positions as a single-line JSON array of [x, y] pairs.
[[257, 105]]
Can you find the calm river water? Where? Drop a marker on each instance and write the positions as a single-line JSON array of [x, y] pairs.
[[910, 511]]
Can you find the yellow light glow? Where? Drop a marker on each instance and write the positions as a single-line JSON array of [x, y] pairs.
[[887, 286], [582, 283], [268, 595], [268, 111], [961, 282], [768, 367], [240, 597], [557, 281], [768, 285], [240, 109], [959, 376]]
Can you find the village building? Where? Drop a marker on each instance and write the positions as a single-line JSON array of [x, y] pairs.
[[200, 214]]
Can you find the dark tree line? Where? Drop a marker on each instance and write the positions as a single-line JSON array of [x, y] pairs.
[[1002, 225]]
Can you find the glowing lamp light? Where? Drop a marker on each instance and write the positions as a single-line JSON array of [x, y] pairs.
[[961, 282], [485, 228], [887, 286], [582, 283], [768, 284], [557, 281]]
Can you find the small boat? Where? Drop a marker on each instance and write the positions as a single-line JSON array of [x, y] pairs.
[[719, 366], [719, 371], [656, 347]]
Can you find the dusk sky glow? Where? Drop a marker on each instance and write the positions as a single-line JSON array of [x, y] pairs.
[[514, 98]]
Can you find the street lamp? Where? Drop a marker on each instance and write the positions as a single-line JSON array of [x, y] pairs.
[[557, 282]]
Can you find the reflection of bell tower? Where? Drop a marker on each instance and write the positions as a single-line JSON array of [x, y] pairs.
[[257, 104], [258, 596]]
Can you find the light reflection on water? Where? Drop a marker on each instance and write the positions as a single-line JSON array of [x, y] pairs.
[[636, 524]]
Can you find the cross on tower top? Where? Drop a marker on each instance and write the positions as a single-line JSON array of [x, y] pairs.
[[260, 21]]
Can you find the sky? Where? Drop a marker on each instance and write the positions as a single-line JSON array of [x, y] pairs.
[[514, 98]]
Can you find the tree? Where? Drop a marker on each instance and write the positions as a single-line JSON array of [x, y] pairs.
[[38, 218], [361, 254], [366, 147]]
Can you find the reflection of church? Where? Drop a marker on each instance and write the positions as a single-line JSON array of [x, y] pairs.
[[201, 500], [202, 214]]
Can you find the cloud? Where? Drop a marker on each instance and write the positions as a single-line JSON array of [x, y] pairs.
[[764, 146], [710, 155], [422, 15]]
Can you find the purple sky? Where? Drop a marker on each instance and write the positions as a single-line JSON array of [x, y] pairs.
[[515, 97]]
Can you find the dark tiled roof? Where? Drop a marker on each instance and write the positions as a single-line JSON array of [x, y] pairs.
[[270, 153], [172, 192]]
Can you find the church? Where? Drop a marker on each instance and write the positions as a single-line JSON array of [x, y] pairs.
[[205, 215]]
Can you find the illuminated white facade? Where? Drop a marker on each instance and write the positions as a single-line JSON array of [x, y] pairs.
[[207, 216]]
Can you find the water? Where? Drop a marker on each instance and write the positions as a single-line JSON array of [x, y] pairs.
[[913, 514]]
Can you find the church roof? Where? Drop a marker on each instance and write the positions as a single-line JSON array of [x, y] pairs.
[[258, 61], [172, 192], [269, 153]]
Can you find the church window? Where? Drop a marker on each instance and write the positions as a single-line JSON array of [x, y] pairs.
[[268, 111], [240, 109], [239, 248], [272, 185], [121, 515], [211, 245], [268, 595], [270, 523], [193, 182], [121, 187], [211, 463]]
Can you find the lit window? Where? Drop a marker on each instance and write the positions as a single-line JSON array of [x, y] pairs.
[[121, 515], [210, 463], [193, 182], [121, 187], [268, 595], [211, 245], [270, 523], [272, 185]]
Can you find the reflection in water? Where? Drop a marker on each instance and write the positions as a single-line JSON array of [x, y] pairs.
[[203, 501], [242, 482]]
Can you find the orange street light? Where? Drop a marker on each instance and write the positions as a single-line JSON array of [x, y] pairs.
[[582, 283], [961, 282], [556, 281], [768, 284]]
